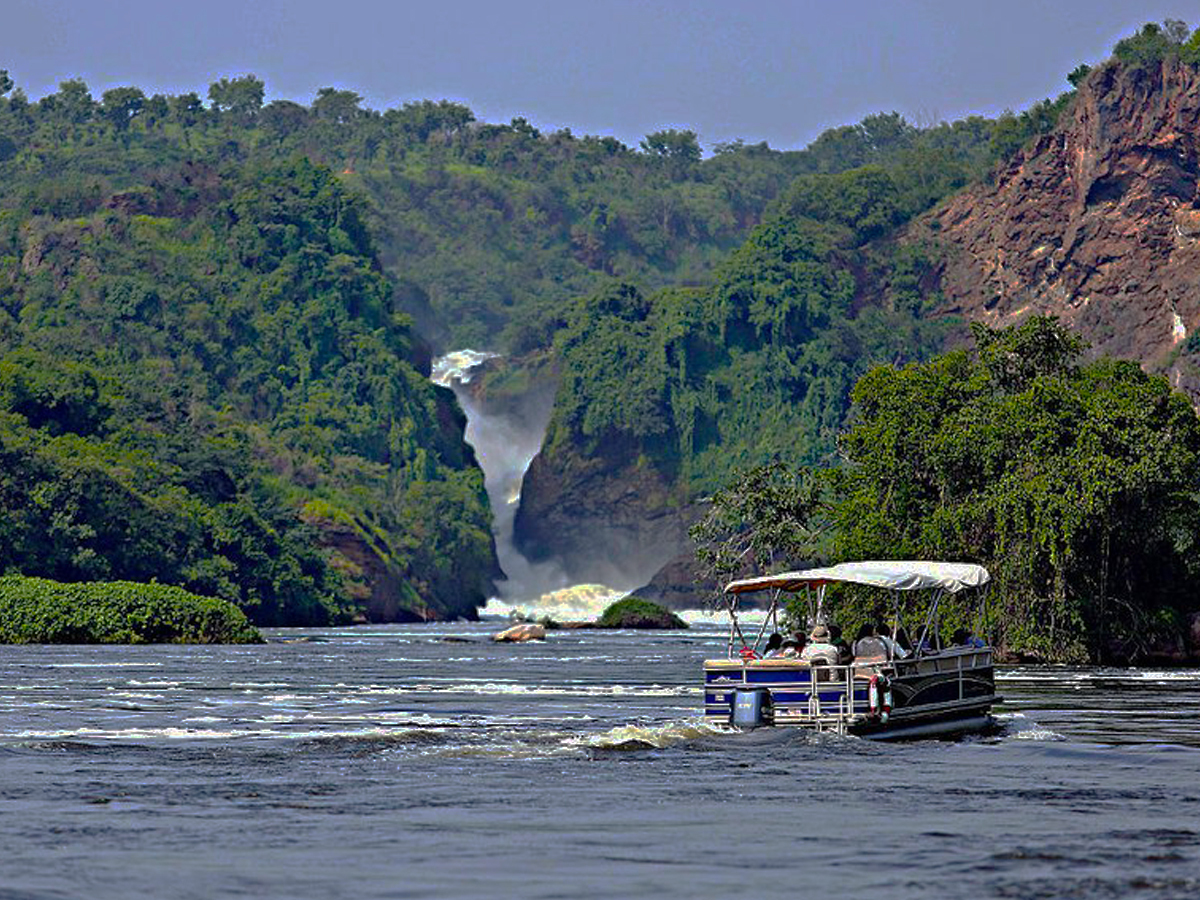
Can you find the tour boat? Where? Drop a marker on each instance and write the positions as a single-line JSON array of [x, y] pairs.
[[886, 692]]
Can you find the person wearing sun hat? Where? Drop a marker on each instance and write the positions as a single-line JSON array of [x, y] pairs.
[[820, 646]]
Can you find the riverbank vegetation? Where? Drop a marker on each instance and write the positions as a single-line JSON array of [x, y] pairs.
[[1077, 484], [40, 611], [204, 380], [634, 612], [214, 315]]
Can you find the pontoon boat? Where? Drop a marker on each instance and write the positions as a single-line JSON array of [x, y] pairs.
[[885, 692]]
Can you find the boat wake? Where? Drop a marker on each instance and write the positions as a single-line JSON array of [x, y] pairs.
[[1018, 727]]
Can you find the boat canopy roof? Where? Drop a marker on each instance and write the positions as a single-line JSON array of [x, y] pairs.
[[892, 575]]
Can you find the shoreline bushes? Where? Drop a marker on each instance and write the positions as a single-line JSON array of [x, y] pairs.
[[40, 611]]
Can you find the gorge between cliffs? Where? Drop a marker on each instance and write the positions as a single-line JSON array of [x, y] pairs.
[[575, 551]]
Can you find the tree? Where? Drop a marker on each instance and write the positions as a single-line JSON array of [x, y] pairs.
[[6, 83], [187, 109], [240, 97], [336, 106], [283, 117], [156, 109], [768, 518], [1075, 483], [1152, 44], [678, 150], [120, 105], [425, 119], [73, 102]]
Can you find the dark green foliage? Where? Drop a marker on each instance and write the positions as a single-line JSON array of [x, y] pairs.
[[768, 516], [241, 97], [199, 336], [39, 611], [1078, 74], [188, 362], [757, 366], [488, 227], [1153, 44], [1013, 131], [634, 612], [865, 201], [1076, 484]]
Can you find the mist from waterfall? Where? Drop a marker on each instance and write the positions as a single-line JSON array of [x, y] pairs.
[[505, 442]]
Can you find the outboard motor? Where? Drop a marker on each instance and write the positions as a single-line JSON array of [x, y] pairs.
[[751, 708]]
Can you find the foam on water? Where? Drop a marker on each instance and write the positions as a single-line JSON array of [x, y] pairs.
[[1017, 726], [638, 736], [578, 603]]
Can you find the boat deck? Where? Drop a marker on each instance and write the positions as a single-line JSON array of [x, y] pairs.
[[952, 690]]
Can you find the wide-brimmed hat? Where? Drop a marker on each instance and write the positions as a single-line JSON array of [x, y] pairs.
[[819, 633]]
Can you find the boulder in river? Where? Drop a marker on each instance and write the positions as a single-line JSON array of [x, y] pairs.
[[526, 631]]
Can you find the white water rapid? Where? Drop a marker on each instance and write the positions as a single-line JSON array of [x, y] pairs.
[[505, 442]]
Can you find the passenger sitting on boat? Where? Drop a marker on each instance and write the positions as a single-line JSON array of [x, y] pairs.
[[774, 644], [929, 643], [896, 649], [835, 638], [964, 638], [869, 647], [790, 649], [820, 647]]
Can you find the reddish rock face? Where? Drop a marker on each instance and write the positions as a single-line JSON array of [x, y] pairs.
[[1097, 223]]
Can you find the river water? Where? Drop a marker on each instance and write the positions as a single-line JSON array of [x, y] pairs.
[[425, 761]]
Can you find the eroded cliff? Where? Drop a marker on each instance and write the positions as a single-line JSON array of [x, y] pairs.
[[1097, 222]]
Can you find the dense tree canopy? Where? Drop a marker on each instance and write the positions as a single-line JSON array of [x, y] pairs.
[[204, 378], [208, 368], [488, 229], [1077, 484]]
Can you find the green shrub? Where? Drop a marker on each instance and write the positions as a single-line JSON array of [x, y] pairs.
[[634, 612], [40, 611]]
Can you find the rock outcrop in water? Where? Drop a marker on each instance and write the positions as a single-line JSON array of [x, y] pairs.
[[1097, 222], [526, 631], [637, 612]]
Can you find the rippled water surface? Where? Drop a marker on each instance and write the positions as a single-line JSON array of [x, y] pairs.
[[425, 761]]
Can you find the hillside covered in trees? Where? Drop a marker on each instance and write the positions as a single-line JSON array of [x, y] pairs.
[[666, 394], [1073, 481], [211, 374], [205, 381], [209, 371], [217, 315]]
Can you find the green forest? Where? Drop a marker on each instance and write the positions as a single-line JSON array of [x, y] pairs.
[[1074, 482], [757, 363], [204, 380], [217, 316], [216, 322]]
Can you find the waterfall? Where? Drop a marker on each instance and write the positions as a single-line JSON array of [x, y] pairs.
[[506, 437]]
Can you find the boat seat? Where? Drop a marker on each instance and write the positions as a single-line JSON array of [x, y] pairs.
[[822, 672]]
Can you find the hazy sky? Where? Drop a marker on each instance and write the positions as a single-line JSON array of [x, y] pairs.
[[771, 70]]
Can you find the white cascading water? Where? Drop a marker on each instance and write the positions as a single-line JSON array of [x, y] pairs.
[[505, 443]]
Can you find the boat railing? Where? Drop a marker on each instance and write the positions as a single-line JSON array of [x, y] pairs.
[[830, 697]]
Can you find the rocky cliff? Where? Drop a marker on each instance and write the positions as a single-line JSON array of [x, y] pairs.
[[609, 518], [1097, 222]]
